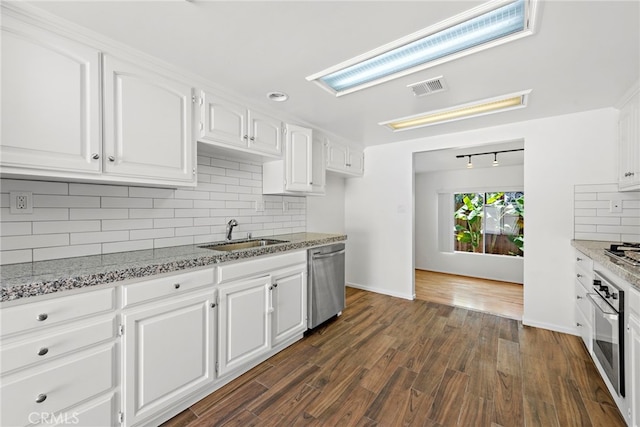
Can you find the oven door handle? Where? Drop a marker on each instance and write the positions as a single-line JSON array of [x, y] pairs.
[[605, 310]]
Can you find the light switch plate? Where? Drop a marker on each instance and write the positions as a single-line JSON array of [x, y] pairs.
[[615, 206]]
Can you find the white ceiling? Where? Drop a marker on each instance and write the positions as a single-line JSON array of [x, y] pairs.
[[440, 160], [584, 55]]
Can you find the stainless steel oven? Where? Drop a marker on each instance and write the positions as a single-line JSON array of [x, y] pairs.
[[608, 330]]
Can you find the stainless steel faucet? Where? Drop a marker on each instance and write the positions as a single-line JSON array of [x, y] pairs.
[[232, 223]]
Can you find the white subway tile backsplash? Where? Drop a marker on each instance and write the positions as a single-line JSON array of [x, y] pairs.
[[154, 233], [75, 219], [593, 219], [173, 222], [52, 227], [36, 187], [14, 257], [42, 254], [98, 190], [15, 228], [128, 202], [173, 241], [151, 213], [39, 214], [34, 241], [130, 245], [126, 224], [99, 237]]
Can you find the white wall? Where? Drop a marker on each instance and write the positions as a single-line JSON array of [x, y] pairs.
[[559, 152], [325, 214], [427, 228]]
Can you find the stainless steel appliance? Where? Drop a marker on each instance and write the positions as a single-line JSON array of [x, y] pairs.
[[622, 252], [326, 290], [608, 330]]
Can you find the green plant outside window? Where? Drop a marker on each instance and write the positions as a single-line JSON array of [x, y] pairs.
[[490, 223]]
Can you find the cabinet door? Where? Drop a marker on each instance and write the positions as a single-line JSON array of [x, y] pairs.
[[634, 374], [298, 164], [265, 133], [629, 144], [336, 157], [168, 353], [147, 124], [50, 101], [222, 121], [355, 165], [583, 324], [318, 166], [289, 296], [244, 322]]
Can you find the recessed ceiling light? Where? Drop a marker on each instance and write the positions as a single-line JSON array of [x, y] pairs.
[[277, 96], [498, 104], [482, 27]]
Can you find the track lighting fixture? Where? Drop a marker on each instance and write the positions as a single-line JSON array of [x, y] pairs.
[[495, 156]]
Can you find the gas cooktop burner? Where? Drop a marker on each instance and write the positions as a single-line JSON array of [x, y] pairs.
[[619, 252]]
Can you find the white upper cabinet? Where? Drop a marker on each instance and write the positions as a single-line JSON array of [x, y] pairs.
[[298, 158], [629, 143], [147, 124], [344, 159], [50, 102], [231, 124], [318, 165]]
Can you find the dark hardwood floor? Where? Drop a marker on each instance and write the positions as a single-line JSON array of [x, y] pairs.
[[501, 298], [388, 361]]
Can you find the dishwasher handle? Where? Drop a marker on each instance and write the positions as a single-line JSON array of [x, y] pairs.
[[318, 255]]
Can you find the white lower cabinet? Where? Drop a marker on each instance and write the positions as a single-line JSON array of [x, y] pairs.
[[633, 337], [584, 315], [244, 322], [168, 352], [289, 298]]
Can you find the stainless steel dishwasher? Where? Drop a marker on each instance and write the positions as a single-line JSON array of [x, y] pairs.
[[326, 292]]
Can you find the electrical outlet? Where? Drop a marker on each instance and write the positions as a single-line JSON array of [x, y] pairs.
[[21, 202]]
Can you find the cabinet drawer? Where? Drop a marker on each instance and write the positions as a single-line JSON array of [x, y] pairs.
[[176, 284], [583, 262], [100, 412], [31, 317], [582, 301], [57, 385], [56, 342], [260, 265], [584, 329]]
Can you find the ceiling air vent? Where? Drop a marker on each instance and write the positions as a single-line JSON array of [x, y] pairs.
[[427, 87]]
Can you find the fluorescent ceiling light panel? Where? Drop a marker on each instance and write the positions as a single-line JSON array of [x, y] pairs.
[[488, 25], [498, 104]]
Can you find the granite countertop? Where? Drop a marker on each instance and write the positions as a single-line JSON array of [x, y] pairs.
[[45, 277], [595, 250]]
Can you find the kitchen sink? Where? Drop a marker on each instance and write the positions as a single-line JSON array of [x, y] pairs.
[[243, 244]]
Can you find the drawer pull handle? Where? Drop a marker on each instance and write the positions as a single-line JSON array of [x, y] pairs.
[[578, 297], [43, 351], [578, 259], [578, 275], [41, 398], [42, 317], [578, 324], [176, 285]]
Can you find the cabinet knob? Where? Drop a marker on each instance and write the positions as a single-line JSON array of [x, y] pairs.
[[270, 288], [578, 324], [42, 317], [245, 137], [253, 138], [43, 351], [275, 285], [41, 398], [176, 285], [578, 297], [213, 305], [95, 156], [112, 159], [578, 275]]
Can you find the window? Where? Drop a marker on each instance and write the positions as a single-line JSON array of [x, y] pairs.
[[489, 223]]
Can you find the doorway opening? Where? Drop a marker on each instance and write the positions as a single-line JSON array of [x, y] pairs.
[[469, 227]]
